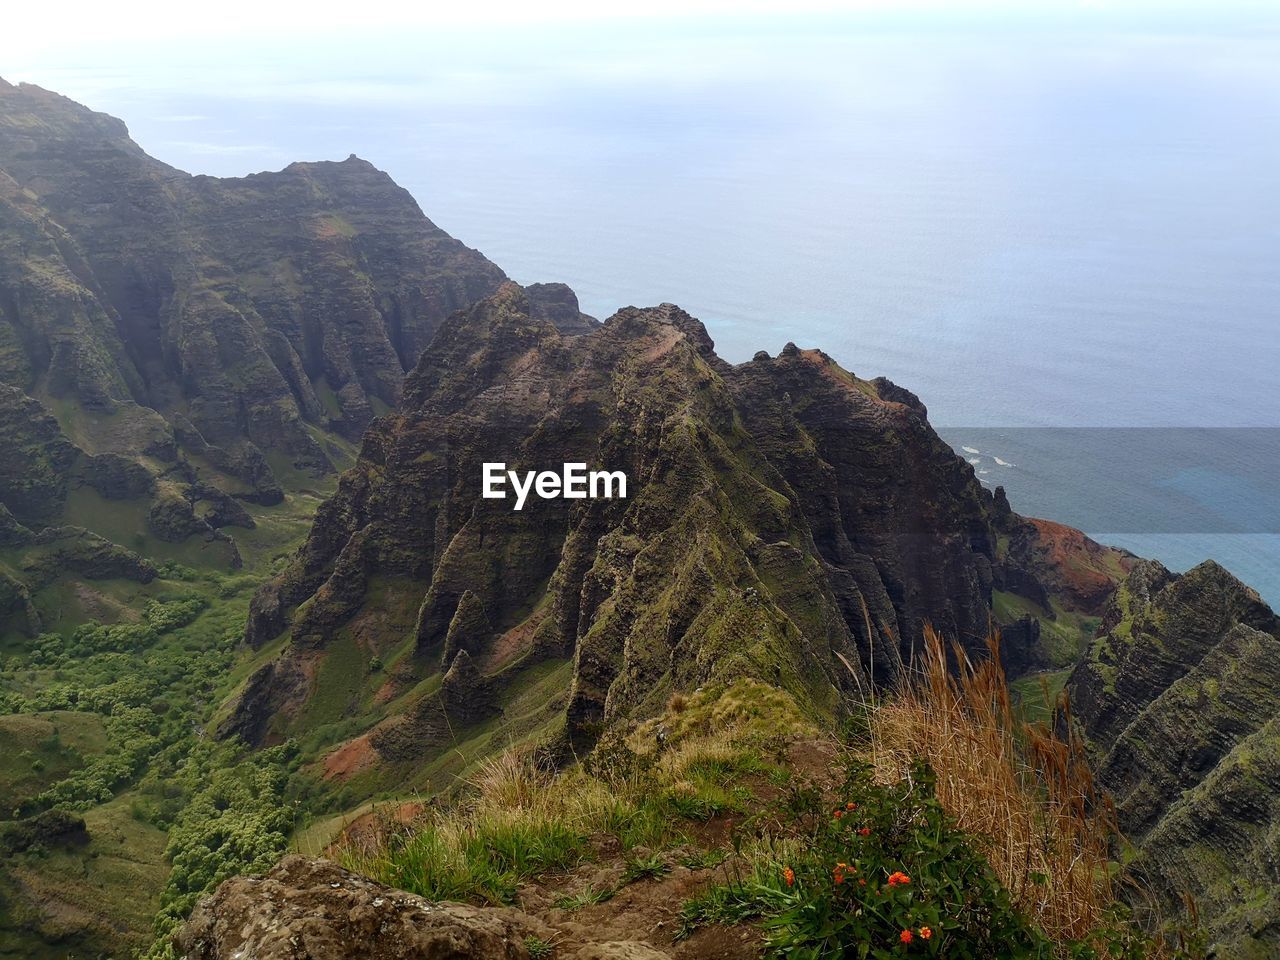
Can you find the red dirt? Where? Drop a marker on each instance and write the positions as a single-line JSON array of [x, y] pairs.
[[350, 758], [511, 644], [368, 829], [1086, 569]]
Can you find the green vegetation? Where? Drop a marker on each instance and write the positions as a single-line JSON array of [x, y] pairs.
[[887, 869], [882, 869], [521, 820], [585, 898], [645, 867], [236, 819], [1065, 634], [109, 710]]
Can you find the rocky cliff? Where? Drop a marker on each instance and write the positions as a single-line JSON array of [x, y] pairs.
[[1179, 698], [241, 310], [173, 346], [785, 519]]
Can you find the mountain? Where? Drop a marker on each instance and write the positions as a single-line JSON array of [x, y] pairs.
[[174, 347], [1179, 698], [242, 311], [785, 520], [187, 365]]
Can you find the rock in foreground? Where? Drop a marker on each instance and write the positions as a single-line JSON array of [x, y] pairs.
[[315, 909]]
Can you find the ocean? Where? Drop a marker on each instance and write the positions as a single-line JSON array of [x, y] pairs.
[[1064, 236]]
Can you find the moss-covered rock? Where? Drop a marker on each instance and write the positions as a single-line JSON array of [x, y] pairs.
[[56, 551], [1178, 699], [785, 520]]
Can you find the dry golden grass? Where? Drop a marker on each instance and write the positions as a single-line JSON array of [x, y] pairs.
[[1024, 794]]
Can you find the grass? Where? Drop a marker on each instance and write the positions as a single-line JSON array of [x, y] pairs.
[[1035, 696], [649, 866], [1024, 795], [109, 889], [753, 892], [42, 748], [517, 820], [703, 859], [538, 949], [585, 898], [1064, 635]]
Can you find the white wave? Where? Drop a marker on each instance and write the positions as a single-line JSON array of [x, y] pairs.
[[983, 473], [975, 459], [970, 450], [1003, 463]]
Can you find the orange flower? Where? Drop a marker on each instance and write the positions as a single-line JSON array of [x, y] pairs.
[[838, 872], [925, 933], [862, 883], [898, 877], [851, 805], [905, 936], [789, 876], [838, 814], [865, 831]]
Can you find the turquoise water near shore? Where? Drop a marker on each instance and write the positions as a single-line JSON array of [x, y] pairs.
[[1031, 228]]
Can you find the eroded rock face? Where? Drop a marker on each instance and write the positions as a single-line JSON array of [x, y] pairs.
[[315, 909], [557, 304], [250, 306], [785, 520], [1179, 698]]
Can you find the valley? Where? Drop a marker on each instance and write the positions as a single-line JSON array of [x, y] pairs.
[[256, 599]]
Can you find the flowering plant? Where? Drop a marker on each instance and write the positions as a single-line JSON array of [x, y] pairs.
[[886, 875]]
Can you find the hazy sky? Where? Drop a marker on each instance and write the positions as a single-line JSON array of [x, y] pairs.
[[39, 36]]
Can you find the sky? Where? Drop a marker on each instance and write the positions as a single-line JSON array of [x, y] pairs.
[[41, 35]]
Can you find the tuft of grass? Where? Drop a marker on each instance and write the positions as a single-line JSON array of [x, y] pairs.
[[585, 898], [484, 857], [704, 859], [538, 949], [645, 867], [753, 891]]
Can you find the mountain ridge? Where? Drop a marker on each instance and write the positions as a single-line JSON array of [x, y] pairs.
[[763, 538], [186, 365]]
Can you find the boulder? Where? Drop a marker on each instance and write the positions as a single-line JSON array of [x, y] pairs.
[[313, 908]]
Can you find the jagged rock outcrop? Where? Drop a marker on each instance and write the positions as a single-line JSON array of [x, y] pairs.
[[316, 909], [17, 611], [557, 304], [35, 459], [464, 692], [1179, 698], [185, 345], [468, 630], [1046, 560], [783, 519]]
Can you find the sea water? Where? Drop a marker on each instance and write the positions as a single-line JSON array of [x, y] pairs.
[[1065, 237]]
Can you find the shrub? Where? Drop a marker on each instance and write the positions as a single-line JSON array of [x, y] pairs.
[[887, 870]]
